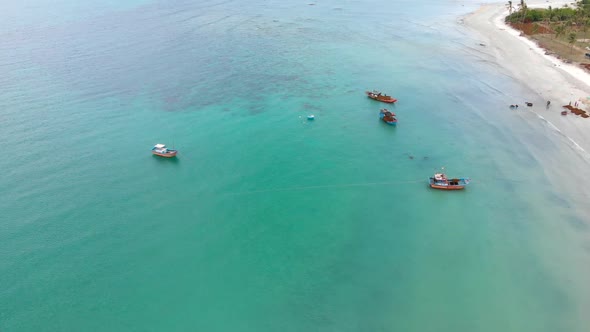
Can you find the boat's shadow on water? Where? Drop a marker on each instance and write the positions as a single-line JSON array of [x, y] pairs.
[[169, 161], [443, 192], [388, 127]]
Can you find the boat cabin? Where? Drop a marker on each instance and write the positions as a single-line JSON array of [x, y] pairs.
[[160, 148], [440, 177]]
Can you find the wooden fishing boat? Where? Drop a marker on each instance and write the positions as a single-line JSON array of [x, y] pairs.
[[162, 151], [440, 181], [388, 117], [376, 95]]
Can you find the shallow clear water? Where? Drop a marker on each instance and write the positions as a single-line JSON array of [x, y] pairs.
[[267, 221]]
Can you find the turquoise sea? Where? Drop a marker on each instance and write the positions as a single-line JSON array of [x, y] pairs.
[[267, 221]]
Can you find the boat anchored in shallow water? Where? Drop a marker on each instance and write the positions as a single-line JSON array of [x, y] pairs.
[[440, 181], [376, 95], [162, 151], [388, 117]]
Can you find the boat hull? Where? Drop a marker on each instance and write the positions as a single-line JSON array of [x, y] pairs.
[[391, 123], [169, 154], [446, 187], [388, 101], [453, 184], [383, 99]]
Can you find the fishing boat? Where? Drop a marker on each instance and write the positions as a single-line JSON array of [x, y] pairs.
[[376, 95], [440, 181], [162, 151], [388, 117]]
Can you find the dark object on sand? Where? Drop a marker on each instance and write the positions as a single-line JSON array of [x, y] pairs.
[[563, 112], [576, 111], [529, 104]]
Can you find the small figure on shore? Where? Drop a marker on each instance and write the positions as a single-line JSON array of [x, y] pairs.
[[548, 103], [576, 104], [570, 103], [512, 106], [516, 105]]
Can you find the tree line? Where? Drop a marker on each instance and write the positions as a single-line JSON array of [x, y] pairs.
[[520, 13], [565, 21]]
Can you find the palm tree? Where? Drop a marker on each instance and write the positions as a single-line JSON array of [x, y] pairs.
[[523, 9], [585, 26], [579, 15], [559, 30], [549, 15], [568, 25], [509, 7], [572, 39], [581, 5]]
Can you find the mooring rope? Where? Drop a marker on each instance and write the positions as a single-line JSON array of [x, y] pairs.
[[328, 186]]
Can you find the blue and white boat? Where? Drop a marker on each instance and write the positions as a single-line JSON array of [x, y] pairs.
[[440, 181], [388, 117]]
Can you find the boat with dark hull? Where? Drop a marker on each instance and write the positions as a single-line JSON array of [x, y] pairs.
[[376, 95], [388, 117]]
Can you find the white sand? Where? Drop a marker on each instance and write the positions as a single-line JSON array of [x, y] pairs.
[[550, 78]]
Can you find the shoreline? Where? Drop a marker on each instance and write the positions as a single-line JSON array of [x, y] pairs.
[[525, 61]]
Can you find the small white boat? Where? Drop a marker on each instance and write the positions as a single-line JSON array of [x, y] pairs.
[[162, 151], [311, 117]]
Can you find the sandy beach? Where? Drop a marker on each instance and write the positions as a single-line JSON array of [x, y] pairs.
[[548, 77]]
